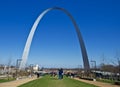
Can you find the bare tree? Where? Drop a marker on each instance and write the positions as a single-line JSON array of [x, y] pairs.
[[9, 67], [116, 62]]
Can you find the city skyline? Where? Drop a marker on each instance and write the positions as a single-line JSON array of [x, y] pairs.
[[99, 24]]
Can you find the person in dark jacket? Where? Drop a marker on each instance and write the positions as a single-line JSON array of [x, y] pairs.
[[60, 73]]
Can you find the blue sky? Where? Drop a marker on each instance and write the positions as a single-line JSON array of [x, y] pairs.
[[55, 43]]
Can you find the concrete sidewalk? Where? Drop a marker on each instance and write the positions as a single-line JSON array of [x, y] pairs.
[[16, 82], [100, 84]]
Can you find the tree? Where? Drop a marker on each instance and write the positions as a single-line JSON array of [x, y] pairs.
[[108, 68], [9, 67]]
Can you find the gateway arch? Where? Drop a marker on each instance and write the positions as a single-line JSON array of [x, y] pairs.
[[34, 27]]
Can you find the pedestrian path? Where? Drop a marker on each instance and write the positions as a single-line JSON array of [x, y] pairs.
[[16, 82], [100, 84]]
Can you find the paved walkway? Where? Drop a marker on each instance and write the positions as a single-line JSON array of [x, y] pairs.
[[100, 84], [16, 82]]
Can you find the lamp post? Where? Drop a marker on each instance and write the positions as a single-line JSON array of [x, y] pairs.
[[94, 66], [17, 66]]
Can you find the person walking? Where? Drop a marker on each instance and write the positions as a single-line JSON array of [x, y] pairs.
[[60, 73]]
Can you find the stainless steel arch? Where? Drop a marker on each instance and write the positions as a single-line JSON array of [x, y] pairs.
[[30, 37]]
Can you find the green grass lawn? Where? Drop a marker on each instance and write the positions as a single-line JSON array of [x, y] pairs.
[[106, 81], [6, 80], [48, 81]]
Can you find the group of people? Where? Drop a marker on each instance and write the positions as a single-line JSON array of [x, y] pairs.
[[59, 73]]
